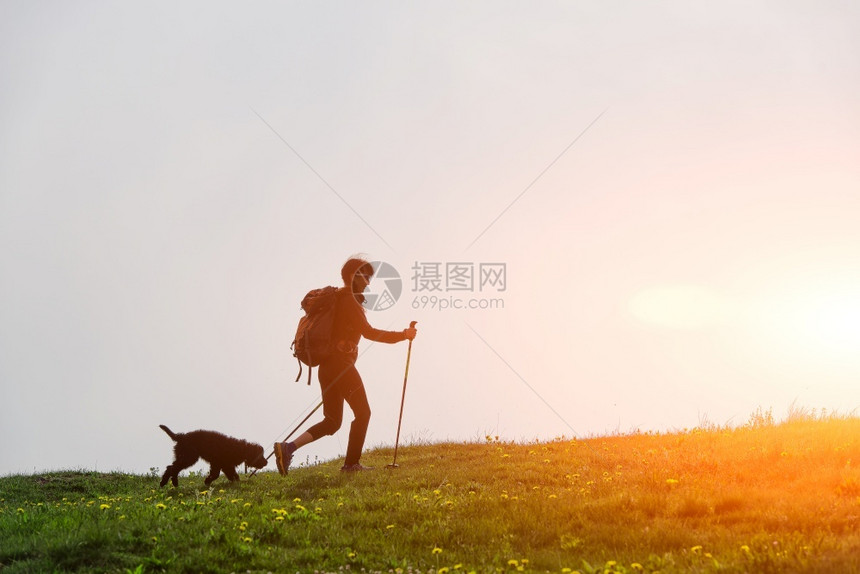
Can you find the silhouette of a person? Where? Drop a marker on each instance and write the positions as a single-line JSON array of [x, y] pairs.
[[339, 379]]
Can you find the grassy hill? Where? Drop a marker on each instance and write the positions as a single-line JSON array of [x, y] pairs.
[[763, 498]]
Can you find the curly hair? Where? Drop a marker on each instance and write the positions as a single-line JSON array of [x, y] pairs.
[[352, 266]]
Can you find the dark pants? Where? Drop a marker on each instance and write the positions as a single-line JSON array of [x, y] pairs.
[[340, 382]]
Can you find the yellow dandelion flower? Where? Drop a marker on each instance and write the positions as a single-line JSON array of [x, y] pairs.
[[636, 566], [672, 481], [437, 550], [513, 562], [297, 499], [279, 518], [443, 570], [161, 506], [389, 527], [104, 506], [246, 539], [696, 549]]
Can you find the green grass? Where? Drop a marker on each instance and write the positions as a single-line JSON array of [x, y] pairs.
[[763, 498]]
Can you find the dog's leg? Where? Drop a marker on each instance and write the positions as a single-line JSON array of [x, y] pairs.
[[171, 473], [167, 475], [214, 472], [230, 471], [183, 461]]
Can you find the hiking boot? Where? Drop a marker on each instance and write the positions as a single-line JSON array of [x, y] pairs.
[[354, 468], [283, 457]]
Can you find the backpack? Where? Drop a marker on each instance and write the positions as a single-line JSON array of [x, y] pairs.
[[312, 342]]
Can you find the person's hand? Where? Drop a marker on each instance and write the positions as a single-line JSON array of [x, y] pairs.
[[410, 333]]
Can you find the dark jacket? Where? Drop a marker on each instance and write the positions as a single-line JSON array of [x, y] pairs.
[[350, 325]]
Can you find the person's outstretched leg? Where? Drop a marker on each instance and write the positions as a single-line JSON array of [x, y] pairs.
[[331, 376]]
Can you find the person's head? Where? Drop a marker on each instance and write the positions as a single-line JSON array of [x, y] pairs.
[[356, 274]]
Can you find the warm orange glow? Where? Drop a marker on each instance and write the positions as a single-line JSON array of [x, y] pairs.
[[819, 326], [803, 327]]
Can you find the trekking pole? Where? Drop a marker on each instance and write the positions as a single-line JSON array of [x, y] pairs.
[[402, 399], [298, 426]]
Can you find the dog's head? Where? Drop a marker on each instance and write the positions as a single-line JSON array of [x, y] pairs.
[[255, 456]]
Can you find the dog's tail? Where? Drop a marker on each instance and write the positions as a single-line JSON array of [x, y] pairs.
[[169, 432]]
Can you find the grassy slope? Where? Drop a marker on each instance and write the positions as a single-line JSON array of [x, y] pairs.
[[768, 498]]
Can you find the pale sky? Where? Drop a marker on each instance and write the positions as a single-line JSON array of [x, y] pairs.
[[673, 189]]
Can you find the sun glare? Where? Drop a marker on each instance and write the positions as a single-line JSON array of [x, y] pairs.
[[835, 320], [824, 325], [803, 326]]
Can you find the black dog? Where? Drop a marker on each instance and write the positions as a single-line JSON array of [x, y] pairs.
[[222, 452]]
